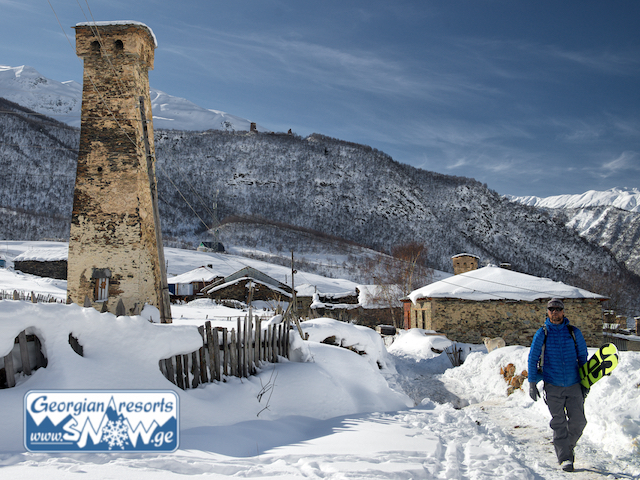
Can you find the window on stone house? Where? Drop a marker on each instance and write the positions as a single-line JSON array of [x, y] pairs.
[[119, 45]]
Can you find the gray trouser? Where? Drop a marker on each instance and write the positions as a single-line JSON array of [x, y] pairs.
[[566, 405]]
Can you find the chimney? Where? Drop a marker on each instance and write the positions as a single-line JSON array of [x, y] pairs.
[[464, 262]]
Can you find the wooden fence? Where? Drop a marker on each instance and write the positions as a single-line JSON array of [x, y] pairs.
[[29, 297], [25, 344], [238, 353]]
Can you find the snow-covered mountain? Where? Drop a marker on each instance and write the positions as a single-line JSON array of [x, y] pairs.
[[317, 184], [624, 199], [610, 219], [62, 100]]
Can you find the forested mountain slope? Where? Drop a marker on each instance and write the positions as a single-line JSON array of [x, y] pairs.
[[319, 183], [360, 194]]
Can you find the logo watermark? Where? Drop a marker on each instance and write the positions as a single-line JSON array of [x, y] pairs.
[[104, 421]]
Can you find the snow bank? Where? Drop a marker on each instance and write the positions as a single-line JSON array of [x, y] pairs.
[[611, 408], [123, 353], [347, 335]]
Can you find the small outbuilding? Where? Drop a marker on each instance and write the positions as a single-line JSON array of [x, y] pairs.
[[249, 284], [44, 262], [215, 247], [497, 302], [189, 284]]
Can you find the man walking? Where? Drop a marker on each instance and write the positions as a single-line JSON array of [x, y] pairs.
[[557, 351]]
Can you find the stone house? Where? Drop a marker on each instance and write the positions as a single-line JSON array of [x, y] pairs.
[[496, 302], [44, 262], [363, 306], [237, 286]]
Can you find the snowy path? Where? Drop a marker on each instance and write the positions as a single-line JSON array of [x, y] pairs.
[[480, 441], [431, 442]]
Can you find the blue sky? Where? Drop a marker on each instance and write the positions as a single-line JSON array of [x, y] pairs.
[[532, 98]]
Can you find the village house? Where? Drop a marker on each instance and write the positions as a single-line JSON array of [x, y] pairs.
[[497, 302], [189, 284], [365, 305], [249, 284]]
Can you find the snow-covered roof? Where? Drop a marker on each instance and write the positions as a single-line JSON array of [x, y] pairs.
[[200, 274], [495, 283], [465, 255], [43, 255], [119, 22], [248, 279]]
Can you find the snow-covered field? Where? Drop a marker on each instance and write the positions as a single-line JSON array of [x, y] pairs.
[[331, 414]]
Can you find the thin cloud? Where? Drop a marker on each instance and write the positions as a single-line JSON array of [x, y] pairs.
[[627, 160], [269, 58]]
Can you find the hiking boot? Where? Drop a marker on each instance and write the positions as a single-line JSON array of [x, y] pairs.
[[567, 465]]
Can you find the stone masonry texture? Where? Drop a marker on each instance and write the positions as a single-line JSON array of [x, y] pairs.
[[516, 322], [115, 226]]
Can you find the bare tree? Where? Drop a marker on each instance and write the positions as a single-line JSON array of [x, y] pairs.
[[397, 275]]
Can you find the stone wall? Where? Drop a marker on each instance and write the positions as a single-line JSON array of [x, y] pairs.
[[54, 269], [516, 321]]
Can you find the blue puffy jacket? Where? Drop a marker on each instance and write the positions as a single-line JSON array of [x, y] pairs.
[[560, 355]]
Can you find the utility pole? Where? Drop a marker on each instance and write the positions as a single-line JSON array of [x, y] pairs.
[[293, 287]]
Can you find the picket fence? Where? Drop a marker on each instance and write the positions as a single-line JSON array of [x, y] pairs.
[[29, 297], [237, 352]]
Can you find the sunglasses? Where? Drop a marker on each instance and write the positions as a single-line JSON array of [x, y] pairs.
[[555, 309]]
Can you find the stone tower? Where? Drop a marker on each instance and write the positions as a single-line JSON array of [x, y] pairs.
[[464, 262], [116, 259]]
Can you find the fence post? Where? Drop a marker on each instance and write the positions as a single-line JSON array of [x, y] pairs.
[[24, 353], [41, 361], [204, 378], [270, 344], [210, 351], [239, 347], [185, 369], [216, 352], [247, 348], [233, 353], [258, 338], [195, 368], [225, 348], [9, 371], [179, 375]]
